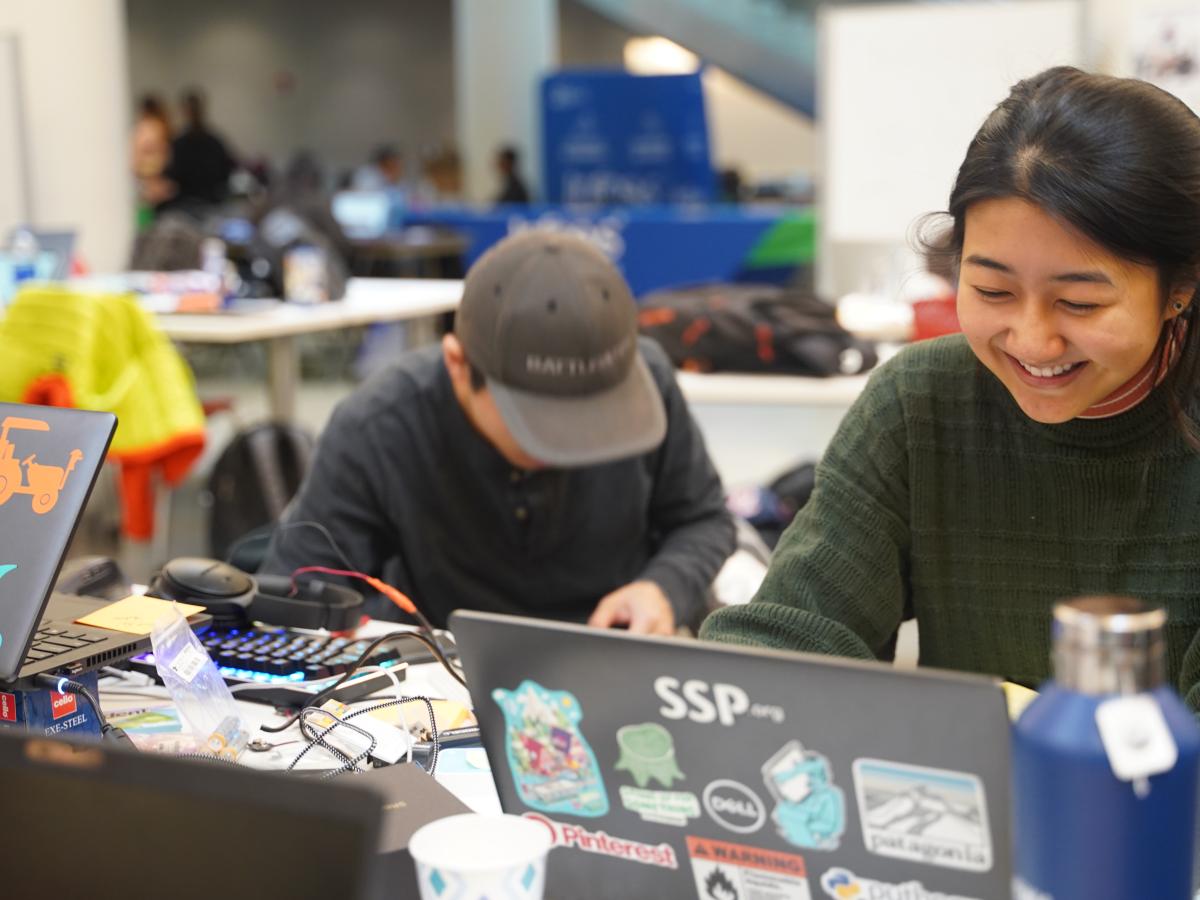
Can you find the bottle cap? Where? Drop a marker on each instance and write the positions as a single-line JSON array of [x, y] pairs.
[[1108, 645]]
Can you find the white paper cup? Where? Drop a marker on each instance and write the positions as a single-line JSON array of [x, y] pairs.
[[472, 856]]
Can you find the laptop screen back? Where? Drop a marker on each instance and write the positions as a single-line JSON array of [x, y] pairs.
[[682, 769], [86, 822], [49, 458], [362, 214]]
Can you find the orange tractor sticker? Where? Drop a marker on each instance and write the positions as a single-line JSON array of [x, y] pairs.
[[28, 476]]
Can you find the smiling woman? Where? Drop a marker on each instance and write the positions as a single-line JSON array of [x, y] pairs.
[[1049, 451], [1069, 327]]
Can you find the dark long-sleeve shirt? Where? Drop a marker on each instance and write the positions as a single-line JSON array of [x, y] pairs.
[[414, 494]]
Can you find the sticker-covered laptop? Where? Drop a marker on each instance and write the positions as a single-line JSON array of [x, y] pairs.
[[680, 769], [49, 459]]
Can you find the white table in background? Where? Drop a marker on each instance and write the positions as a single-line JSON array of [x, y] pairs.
[[756, 426], [367, 301]]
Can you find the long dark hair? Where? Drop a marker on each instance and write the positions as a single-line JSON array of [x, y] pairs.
[[1115, 158]]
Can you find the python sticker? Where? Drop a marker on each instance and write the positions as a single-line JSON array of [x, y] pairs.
[[810, 810], [925, 815], [725, 871], [553, 766], [842, 884], [579, 838]]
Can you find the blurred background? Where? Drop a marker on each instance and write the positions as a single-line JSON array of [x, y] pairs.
[[778, 150]]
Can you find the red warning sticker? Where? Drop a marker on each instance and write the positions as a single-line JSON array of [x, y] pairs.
[[722, 869]]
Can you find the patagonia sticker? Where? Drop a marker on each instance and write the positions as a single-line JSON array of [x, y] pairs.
[[932, 816], [578, 837], [842, 884], [553, 766], [810, 810], [725, 871]]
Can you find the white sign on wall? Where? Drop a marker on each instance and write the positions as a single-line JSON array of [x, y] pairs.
[[901, 89]]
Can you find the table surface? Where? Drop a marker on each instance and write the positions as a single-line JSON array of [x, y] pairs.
[[367, 300], [464, 772]]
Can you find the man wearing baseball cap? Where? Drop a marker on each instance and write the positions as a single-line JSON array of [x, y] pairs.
[[541, 462]]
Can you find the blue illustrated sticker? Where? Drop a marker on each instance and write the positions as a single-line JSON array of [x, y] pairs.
[[4, 570], [553, 766], [810, 809]]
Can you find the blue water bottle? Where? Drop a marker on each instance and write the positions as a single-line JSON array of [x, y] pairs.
[[1105, 764]]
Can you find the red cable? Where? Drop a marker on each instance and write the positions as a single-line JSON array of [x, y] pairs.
[[393, 594]]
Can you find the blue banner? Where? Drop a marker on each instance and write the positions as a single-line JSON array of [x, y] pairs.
[[609, 137], [655, 247]]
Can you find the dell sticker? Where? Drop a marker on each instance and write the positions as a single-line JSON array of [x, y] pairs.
[[734, 806]]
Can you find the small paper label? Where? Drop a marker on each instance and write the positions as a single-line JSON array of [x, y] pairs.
[[188, 663], [1136, 737]]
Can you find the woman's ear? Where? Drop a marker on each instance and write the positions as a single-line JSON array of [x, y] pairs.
[[1183, 294]]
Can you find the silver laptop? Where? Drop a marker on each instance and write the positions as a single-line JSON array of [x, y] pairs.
[[681, 769]]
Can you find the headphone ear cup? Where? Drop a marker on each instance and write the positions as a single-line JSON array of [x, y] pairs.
[[315, 604]]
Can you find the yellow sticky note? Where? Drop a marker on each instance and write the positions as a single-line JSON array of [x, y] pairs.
[[135, 614]]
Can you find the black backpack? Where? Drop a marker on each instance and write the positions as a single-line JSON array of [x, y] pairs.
[[253, 480], [752, 328]]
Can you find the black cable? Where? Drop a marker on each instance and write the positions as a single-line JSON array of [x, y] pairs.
[[357, 664], [422, 621], [249, 538]]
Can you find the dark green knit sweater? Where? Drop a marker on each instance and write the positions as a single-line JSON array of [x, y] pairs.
[[938, 498]]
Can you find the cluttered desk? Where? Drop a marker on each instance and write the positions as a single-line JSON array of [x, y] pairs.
[[629, 766]]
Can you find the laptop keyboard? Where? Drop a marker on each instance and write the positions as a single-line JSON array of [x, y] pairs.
[[54, 641]]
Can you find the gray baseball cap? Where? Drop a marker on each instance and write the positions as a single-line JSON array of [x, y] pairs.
[[551, 324]]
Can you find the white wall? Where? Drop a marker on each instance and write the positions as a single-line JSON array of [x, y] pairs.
[[336, 78], [764, 139], [501, 52], [73, 83]]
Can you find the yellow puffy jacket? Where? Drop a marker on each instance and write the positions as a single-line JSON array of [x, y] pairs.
[[64, 347]]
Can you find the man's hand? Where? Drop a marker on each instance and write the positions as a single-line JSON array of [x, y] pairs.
[[640, 605]]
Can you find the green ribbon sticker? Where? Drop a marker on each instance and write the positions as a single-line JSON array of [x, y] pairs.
[[648, 752]]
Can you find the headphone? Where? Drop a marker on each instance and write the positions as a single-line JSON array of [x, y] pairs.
[[234, 598]]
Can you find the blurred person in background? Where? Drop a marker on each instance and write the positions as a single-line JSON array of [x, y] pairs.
[[200, 163], [385, 171], [512, 188], [150, 152]]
